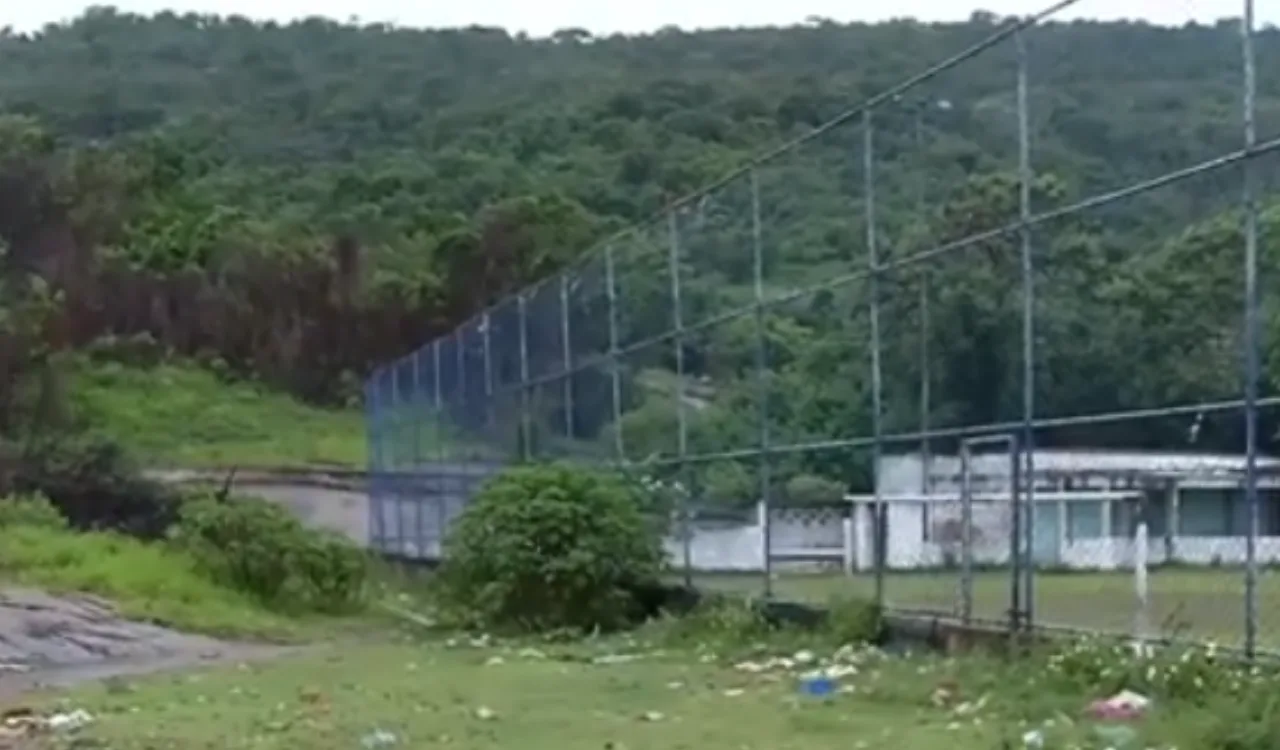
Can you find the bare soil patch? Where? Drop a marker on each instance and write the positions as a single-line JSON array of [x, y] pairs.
[[49, 640]]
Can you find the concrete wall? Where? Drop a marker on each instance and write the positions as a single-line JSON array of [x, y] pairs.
[[333, 500], [798, 537]]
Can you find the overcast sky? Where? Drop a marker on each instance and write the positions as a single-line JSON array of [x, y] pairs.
[[539, 17]]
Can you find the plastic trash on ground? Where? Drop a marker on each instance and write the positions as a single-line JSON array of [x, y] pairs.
[[1123, 706]]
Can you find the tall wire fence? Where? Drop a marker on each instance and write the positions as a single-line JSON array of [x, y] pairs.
[[883, 362]]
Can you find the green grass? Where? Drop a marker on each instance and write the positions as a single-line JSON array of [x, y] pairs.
[[151, 582], [433, 696], [454, 694], [1184, 602], [181, 415]]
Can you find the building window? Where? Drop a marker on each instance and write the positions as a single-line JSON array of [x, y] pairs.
[[1084, 520], [1206, 513], [1151, 509]]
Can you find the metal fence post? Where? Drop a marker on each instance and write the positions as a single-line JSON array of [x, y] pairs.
[[682, 436], [415, 479], [442, 450], [460, 352], [966, 533], [1028, 330], [873, 310], [566, 352], [438, 402], [1016, 535], [526, 439], [926, 459], [762, 388], [615, 366], [373, 458], [397, 435], [485, 323], [1251, 337], [414, 388], [926, 377]]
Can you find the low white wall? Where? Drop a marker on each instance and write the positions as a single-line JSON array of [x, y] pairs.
[[733, 549], [812, 535], [1117, 553]]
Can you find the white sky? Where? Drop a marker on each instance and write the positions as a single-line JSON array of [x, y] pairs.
[[540, 17]]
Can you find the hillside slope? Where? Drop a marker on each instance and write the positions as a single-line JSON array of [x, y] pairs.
[[302, 201]]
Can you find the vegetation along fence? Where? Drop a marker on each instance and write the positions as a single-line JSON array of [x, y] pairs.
[[917, 354]]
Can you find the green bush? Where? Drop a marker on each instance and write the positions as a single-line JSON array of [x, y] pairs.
[[140, 350], [33, 510], [93, 482], [332, 570], [550, 547], [855, 621], [1249, 722], [262, 549], [723, 622], [810, 489]]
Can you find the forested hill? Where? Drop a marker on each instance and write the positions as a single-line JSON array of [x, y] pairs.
[[301, 200]]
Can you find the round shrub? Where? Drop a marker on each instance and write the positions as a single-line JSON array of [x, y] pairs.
[[244, 543], [551, 547], [333, 571], [810, 489], [33, 510], [262, 549]]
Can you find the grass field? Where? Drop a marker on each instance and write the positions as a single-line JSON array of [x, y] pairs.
[[181, 415], [1183, 603], [622, 694], [425, 695]]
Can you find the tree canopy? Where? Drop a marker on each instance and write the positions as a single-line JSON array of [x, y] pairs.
[[301, 201]]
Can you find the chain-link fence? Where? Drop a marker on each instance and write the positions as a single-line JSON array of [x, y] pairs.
[[967, 377]]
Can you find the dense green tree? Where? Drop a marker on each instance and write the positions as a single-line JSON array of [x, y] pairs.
[[304, 200]]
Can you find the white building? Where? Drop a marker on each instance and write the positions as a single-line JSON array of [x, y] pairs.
[[1087, 506]]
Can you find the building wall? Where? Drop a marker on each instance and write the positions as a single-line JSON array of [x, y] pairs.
[[918, 537]]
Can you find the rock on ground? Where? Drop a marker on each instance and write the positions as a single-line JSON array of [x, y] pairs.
[[48, 640]]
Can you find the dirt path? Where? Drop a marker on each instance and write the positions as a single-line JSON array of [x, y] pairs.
[[57, 641]]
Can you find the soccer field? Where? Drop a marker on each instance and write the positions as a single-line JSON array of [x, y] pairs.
[[1183, 603]]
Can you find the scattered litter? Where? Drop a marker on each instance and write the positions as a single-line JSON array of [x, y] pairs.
[[532, 653], [945, 694], [652, 716], [733, 692], [378, 738], [484, 713], [818, 687], [70, 721], [494, 661], [1122, 706], [22, 722], [969, 708], [1033, 740]]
